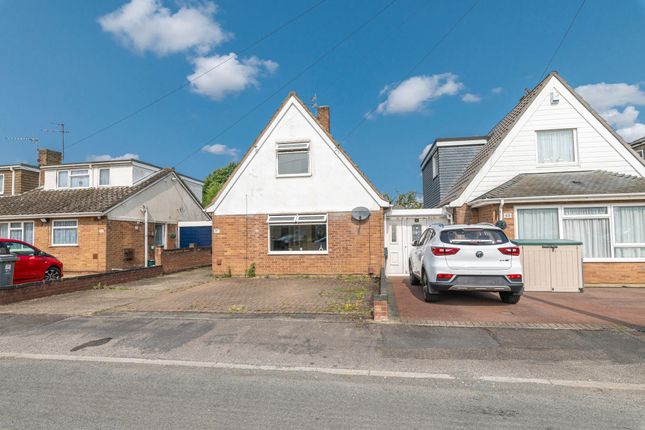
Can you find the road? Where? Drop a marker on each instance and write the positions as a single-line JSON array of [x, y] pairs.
[[204, 371]]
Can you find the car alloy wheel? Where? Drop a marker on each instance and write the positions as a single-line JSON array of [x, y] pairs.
[[52, 274]]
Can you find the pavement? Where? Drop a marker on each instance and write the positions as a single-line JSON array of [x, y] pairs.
[[200, 370], [593, 308]]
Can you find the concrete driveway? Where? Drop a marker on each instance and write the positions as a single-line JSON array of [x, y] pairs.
[[595, 307]]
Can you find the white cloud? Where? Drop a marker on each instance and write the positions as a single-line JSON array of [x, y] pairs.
[[414, 93], [497, 90], [603, 96], [471, 98], [609, 98], [146, 25], [106, 157], [219, 149], [227, 74]]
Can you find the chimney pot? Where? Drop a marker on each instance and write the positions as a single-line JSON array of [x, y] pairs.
[[323, 117]]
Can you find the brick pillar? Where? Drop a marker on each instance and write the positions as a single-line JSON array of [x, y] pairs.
[[158, 252], [380, 307]]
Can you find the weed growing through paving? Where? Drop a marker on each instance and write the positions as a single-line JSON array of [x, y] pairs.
[[100, 286], [250, 272]]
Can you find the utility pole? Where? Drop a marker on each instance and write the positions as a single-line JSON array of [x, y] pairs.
[[62, 131]]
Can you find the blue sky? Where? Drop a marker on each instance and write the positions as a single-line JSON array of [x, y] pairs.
[[90, 63]]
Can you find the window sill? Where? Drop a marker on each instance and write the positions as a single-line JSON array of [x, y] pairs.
[[552, 165], [298, 252], [298, 175], [74, 245]]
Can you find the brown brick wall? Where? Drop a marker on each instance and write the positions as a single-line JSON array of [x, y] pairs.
[[614, 273], [43, 289], [88, 256], [353, 248], [127, 235], [176, 260]]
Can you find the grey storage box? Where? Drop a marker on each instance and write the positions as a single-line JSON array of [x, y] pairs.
[[7, 264], [551, 265]]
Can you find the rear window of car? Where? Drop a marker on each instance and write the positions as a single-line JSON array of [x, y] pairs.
[[473, 236]]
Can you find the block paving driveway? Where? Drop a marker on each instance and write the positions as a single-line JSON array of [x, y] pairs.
[[595, 307]]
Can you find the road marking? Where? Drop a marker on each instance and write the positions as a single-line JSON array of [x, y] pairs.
[[232, 366], [324, 370], [565, 383]]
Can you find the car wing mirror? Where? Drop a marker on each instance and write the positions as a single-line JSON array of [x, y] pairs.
[[415, 243]]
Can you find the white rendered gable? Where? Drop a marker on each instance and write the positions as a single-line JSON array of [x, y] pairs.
[[597, 148], [334, 184]]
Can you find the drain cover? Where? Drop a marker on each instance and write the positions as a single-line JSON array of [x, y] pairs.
[[97, 342]]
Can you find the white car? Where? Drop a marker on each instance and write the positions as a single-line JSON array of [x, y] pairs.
[[460, 257]]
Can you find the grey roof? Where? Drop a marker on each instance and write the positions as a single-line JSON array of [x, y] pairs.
[[589, 182], [19, 165], [73, 201], [638, 142], [501, 130]]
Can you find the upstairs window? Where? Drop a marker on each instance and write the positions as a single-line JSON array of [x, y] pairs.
[[293, 159], [63, 179], [79, 178], [435, 166], [104, 177], [556, 146]]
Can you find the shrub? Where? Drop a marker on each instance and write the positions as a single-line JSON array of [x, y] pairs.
[[250, 272]]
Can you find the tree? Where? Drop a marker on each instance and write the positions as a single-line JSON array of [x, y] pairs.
[[215, 181], [405, 200]]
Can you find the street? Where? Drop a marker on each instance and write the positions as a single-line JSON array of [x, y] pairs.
[[132, 370]]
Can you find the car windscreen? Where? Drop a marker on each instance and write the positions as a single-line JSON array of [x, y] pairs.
[[473, 236]]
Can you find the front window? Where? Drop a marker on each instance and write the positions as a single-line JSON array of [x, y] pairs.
[[539, 223], [293, 159], [64, 232], [590, 225], [104, 176], [555, 146], [17, 230], [160, 235], [298, 234], [629, 231]]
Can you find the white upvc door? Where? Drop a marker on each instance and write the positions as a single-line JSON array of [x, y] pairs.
[[395, 256]]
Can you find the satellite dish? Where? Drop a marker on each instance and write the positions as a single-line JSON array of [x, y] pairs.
[[360, 213]]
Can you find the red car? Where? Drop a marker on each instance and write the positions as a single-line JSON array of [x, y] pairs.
[[33, 264]]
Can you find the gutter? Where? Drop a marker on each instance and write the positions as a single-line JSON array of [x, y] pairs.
[[579, 197], [62, 215]]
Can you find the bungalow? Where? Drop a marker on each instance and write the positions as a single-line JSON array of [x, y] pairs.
[[101, 216], [297, 204], [552, 168]]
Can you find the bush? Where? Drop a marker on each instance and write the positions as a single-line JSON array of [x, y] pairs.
[[250, 272]]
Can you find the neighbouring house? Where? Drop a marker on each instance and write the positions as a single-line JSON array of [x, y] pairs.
[[17, 178], [288, 206], [639, 146], [553, 168], [93, 216]]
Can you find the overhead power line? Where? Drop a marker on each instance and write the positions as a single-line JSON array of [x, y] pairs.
[[291, 80], [421, 60], [190, 81], [564, 36]]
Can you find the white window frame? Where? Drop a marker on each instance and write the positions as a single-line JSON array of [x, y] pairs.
[[69, 178], [108, 177], [294, 148], [609, 215], [165, 235], [435, 165], [53, 224], [1, 183], [296, 219], [575, 162], [642, 153], [22, 229]]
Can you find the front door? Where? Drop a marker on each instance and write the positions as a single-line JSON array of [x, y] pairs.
[[395, 256]]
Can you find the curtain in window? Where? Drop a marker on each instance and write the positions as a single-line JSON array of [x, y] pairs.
[[586, 211], [555, 146], [28, 232], [4, 230], [65, 233], [160, 233], [538, 223], [629, 227], [593, 233]]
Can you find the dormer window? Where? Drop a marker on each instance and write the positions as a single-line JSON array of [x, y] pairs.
[[556, 146], [293, 159], [79, 178], [104, 177]]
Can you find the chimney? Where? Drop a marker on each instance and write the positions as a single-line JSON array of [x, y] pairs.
[[323, 117], [48, 157]]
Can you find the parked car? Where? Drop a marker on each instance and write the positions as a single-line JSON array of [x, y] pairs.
[[476, 257], [33, 264]]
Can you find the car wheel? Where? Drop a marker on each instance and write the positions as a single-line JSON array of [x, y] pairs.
[[413, 279], [52, 274], [429, 295], [510, 298]]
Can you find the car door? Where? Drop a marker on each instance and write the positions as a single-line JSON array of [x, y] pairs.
[[27, 266], [417, 253]]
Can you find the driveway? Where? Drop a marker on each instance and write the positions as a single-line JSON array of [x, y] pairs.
[[198, 291], [595, 307]]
